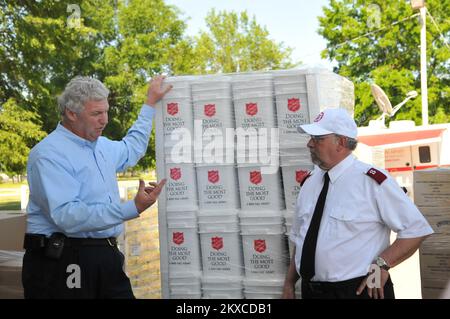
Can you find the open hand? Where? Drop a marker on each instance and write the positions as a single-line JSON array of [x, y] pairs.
[[147, 196], [156, 91]]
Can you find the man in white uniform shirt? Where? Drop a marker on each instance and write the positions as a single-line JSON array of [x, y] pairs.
[[345, 212]]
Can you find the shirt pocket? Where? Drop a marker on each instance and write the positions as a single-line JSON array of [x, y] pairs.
[[342, 223]]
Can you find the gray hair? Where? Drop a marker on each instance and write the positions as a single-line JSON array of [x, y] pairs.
[[350, 143], [80, 90]]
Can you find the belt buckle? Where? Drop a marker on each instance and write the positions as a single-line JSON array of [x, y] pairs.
[[110, 243]]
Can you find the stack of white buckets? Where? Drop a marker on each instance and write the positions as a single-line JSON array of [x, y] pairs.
[[293, 110], [184, 256], [261, 191], [217, 190], [229, 213]]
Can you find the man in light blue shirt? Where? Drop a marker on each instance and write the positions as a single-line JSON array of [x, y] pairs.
[[74, 210]]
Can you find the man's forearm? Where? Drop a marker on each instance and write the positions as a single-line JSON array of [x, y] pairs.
[[401, 249]]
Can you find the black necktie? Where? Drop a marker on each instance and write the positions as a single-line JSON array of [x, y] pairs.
[[307, 265]]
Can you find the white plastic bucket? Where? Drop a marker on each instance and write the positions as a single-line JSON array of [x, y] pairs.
[[221, 282], [177, 113], [261, 217], [260, 191], [274, 284], [221, 253], [265, 250], [181, 295], [215, 227], [262, 295], [299, 156], [218, 217], [282, 77], [263, 288], [222, 287], [293, 176], [181, 190], [183, 246], [223, 293], [255, 112], [292, 111], [290, 141], [217, 187], [184, 285], [214, 113]]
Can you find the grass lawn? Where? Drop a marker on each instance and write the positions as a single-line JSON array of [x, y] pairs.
[[9, 205]]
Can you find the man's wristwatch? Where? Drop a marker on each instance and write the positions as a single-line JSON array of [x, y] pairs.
[[380, 262]]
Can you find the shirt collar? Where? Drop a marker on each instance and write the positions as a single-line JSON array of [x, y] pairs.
[[340, 168], [75, 138]]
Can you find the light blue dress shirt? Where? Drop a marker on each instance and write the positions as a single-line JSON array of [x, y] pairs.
[[73, 185]]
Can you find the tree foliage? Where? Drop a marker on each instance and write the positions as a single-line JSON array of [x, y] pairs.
[[379, 42], [233, 43], [43, 44], [18, 133]]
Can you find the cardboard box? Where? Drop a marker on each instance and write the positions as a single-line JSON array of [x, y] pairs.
[[11, 275], [12, 230], [432, 187], [434, 288], [439, 220], [435, 263]]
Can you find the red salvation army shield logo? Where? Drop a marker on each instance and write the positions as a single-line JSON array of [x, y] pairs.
[[293, 104], [217, 243], [251, 108], [172, 108], [175, 173], [260, 245], [210, 110], [255, 177], [318, 117], [178, 238], [300, 175], [213, 176]]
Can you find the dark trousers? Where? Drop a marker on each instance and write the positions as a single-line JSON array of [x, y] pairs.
[[341, 290], [100, 270]]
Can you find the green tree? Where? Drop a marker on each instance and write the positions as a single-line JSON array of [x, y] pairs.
[[378, 42], [147, 32], [233, 43], [43, 44], [18, 133]]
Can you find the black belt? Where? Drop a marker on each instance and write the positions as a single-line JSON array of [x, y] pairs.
[[322, 286], [40, 241]]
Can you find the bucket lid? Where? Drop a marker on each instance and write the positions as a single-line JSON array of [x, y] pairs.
[[221, 280], [181, 223], [261, 213], [217, 213], [192, 275]]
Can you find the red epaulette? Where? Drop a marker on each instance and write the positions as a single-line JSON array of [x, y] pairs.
[[378, 176], [305, 178]]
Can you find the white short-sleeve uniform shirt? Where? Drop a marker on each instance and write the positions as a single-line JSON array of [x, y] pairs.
[[358, 217]]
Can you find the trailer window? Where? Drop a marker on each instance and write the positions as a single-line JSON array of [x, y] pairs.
[[424, 154]]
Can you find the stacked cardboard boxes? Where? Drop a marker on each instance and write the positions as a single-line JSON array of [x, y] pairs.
[[12, 230], [432, 196], [139, 243]]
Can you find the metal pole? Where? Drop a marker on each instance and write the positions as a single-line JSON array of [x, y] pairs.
[[423, 65]]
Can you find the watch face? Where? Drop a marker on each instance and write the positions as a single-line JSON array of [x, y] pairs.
[[382, 263]]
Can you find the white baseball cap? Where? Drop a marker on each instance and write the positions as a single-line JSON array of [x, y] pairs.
[[331, 121]]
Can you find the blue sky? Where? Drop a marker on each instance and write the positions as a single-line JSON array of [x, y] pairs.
[[293, 22]]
